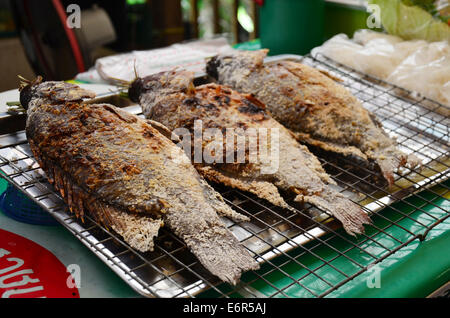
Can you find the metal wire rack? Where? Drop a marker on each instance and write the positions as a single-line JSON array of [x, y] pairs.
[[302, 254]]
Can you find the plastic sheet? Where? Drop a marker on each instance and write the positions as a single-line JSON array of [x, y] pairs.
[[416, 65], [123, 67]]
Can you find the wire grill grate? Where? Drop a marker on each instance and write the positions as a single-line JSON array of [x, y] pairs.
[[303, 254]]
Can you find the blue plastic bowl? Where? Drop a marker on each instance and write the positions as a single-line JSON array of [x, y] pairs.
[[19, 207]]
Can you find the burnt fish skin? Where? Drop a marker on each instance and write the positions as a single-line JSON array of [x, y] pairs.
[[317, 109], [171, 99], [128, 176]]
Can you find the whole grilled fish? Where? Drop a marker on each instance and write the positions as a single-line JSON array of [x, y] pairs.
[[130, 177], [281, 162], [319, 111]]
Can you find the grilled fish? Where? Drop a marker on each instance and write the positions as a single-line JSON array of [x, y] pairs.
[[281, 162], [318, 110], [128, 176]]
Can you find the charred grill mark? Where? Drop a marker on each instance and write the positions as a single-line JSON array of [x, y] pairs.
[[191, 101], [83, 119], [131, 169], [196, 102], [222, 99], [242, 125], [210, 107], [300, 110], [288, 91], [251, 108], [252, 98], [212, 124]]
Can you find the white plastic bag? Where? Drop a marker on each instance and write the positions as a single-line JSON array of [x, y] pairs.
[[416, 65]]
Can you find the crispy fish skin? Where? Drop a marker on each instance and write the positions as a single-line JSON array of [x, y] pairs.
[[123, 171], [314, 106], [163, 99]]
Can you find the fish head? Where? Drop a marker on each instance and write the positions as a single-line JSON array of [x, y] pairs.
[[163, 82], [52, 92], [218, 64]]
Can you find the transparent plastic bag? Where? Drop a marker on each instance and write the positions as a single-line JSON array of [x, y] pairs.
[[426, 70], [416, 65]]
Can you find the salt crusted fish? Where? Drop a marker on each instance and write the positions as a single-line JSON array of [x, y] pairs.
[[320, 112], [171, 99], [128, 176]]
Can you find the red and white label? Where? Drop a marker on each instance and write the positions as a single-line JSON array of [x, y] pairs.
[[27, 270]]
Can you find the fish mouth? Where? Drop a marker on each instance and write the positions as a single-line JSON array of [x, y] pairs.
[[25, 89], [136, 89], [25, 96], [212, 67]]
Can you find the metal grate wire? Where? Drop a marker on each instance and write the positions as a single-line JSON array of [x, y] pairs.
[[280, 239]]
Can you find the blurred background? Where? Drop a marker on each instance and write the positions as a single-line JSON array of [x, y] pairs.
[[35, 37], [33, 40]]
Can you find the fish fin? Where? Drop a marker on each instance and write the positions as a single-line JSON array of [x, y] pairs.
[[391, 159], [350, 151], [25, 82], [163, 130], [253, 59], [63, 91], [262, 189], [136, 229], [347, 212], [219, 204], [120, 113], [258, 57], [225, 259]]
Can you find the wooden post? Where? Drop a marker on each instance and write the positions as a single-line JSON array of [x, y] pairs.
[[254, 12], [194, 18], [234, 21], [216, 18], [167, 22]]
